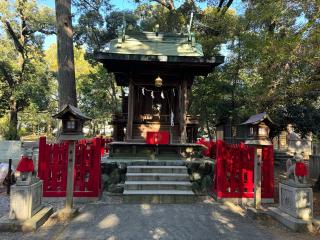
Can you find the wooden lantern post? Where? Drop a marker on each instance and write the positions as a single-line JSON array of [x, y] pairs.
[[72, 124], [258, 138]]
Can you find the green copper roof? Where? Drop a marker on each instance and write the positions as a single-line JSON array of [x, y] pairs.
[[149, 43]]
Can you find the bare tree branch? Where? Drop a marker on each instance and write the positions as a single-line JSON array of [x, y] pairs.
[[169, 5], [226, 7], [220, 5], [16, 41], [43, 31]]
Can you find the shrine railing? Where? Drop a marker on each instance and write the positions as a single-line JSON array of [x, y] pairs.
[[52, 168], [234, 168]]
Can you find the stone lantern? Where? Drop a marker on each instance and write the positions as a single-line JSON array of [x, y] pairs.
[[258, 136], [72, 124]]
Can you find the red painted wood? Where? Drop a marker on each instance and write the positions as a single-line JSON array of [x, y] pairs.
[[234, 168], [53, 159], [161, 137]]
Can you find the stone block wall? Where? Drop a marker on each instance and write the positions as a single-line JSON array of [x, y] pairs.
[[113, 177], [201, 174], [10, 149], [314, 166]]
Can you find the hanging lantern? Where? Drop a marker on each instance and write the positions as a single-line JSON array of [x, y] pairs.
[[158, 82]]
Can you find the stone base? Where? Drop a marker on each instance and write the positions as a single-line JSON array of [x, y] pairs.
[[296, 200], [25, 200], [243, 201], [258, 214], [66, 214], [32, 224], [295, 224]]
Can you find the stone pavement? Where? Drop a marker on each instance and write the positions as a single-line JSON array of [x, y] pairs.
[[199, 221]]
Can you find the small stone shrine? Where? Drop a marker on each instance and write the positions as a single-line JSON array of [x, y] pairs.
[[26, 210]]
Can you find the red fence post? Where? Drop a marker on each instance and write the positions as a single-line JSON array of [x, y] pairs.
[[96, 166], [41, 157], [219, 169], [267, 172]]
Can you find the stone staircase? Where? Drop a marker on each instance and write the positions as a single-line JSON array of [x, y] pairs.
[[157, 184]]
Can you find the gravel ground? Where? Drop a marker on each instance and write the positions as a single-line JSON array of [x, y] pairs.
[[110, 219], [199, 221]]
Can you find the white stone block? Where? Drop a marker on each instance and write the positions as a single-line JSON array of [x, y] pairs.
[[296, 200], [25, 201]]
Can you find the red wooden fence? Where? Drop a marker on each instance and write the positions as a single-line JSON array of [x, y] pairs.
[[52, 168], [234, 170]]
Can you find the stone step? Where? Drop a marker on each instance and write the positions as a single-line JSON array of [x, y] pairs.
[[157, 185], [157, 169], [158, 196], [157, 177]]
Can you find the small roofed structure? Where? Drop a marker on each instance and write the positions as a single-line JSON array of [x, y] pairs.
[[72, 122], [261, 117], [237, 133], [259, 129], [159, 70]]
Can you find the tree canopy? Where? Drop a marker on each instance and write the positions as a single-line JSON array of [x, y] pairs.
[[272, 58], [23, 72]]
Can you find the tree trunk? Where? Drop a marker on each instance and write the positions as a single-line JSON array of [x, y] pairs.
[[66, 75], [13, 121]]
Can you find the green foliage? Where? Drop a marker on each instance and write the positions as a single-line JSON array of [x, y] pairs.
[[272, 62], [98, 93], [273, 66], [23, 72]]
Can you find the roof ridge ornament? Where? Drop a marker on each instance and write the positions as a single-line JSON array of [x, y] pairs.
[[191, 35], [121, 32], [190, 23]]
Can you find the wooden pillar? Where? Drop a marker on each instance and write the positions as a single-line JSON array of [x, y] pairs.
[[183, 98], [257, 176], [70, 178], [130, 110]]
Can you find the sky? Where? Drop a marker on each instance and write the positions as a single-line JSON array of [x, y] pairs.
[[127, 5]]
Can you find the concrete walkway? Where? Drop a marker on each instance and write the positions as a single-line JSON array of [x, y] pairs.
[[198, 221]]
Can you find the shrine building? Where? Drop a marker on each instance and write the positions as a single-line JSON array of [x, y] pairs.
[[158, 70]]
